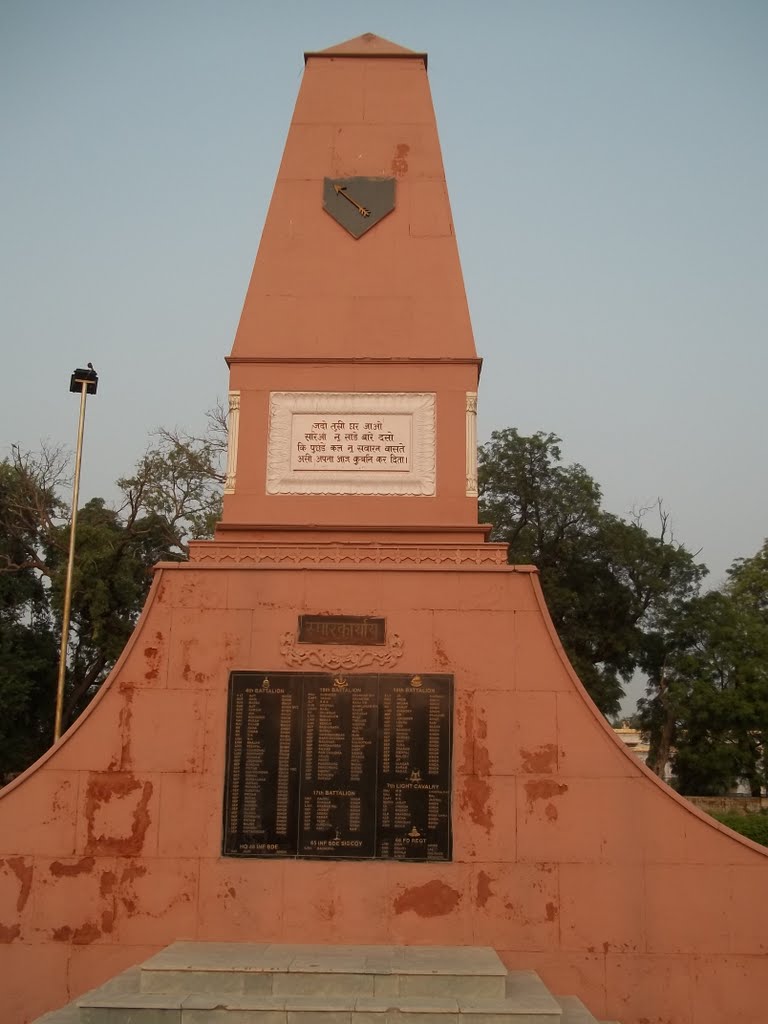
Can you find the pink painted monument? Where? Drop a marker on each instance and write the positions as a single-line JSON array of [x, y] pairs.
[[349, 549]]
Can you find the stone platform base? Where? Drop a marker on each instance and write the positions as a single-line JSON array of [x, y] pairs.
[[251, 983]]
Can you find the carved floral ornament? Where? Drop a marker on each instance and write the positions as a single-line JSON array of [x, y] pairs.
[[339, 656]]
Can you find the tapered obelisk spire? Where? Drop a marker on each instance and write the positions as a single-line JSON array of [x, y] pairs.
[[356, 290]]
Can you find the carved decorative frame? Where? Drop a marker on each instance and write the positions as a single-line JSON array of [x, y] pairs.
[[419, 479]]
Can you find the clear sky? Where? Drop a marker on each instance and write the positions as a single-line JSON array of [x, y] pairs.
[[607, 163]]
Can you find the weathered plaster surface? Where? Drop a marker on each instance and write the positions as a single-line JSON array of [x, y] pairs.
[[569, 857]]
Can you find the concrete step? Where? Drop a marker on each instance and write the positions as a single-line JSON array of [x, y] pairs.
[[69, 1014], [212, 1008], [306, 970], [126, 982], [574, 1011], [240, 983]]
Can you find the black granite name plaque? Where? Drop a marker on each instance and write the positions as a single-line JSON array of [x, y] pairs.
[[338, 781], [263, 739], [414, 796], [338, 766]]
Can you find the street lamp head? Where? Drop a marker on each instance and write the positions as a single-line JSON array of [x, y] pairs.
[[88, 377]]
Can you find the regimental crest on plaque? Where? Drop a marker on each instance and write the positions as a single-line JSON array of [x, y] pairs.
[[358, 203]]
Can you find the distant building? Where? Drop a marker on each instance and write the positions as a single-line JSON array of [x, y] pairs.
[[633, 739]]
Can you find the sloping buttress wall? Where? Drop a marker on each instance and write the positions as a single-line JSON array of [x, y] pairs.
[[569, 857]]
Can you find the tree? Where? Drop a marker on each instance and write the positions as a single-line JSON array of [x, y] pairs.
[[179, 480], [173, 496], [706, 708], [27, 639], [748, 582], [606, 580]]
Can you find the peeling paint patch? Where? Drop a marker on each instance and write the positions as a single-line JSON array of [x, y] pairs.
[[483, 763], [543, 789], [58, 804], [107, 883], [484, 890], [541, 760], [474, 798], [467, 718], [129, 800], [23, 872], [433, 899], [551, 911], [441, 658], [327, 911], [132, 872], [82, 936], [9, 932], [152, 658], [83, 867], [399, 160], [124, 724]]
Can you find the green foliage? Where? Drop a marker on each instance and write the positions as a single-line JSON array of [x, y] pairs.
[[113, 569], [27, 638], [626, 600], [27, 693], [707, 702], [605, 580], [753, 826], [748, 581], [173, 496]]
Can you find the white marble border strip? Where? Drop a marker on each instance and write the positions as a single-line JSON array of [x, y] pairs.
[[418, 480], [233, 430], [471, 444]]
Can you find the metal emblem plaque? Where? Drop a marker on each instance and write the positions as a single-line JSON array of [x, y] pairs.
[[358, 203]]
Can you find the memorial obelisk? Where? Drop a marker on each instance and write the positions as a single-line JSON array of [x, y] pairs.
[[346, 719], [352, 444]]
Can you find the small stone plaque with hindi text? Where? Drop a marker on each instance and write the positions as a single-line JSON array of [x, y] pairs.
[[341, 629]]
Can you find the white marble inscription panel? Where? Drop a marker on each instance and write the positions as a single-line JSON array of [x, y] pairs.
[[351, 443], [347, 442]]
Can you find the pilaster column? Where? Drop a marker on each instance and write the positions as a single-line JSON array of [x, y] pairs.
[[471, 444], [233, 426]]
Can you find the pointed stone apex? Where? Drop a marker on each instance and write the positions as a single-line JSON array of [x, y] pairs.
[[367, 45]]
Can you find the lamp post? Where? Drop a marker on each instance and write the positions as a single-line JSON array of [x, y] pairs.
[[85, 382]]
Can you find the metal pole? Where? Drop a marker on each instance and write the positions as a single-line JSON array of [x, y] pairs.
[[70, 566]]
